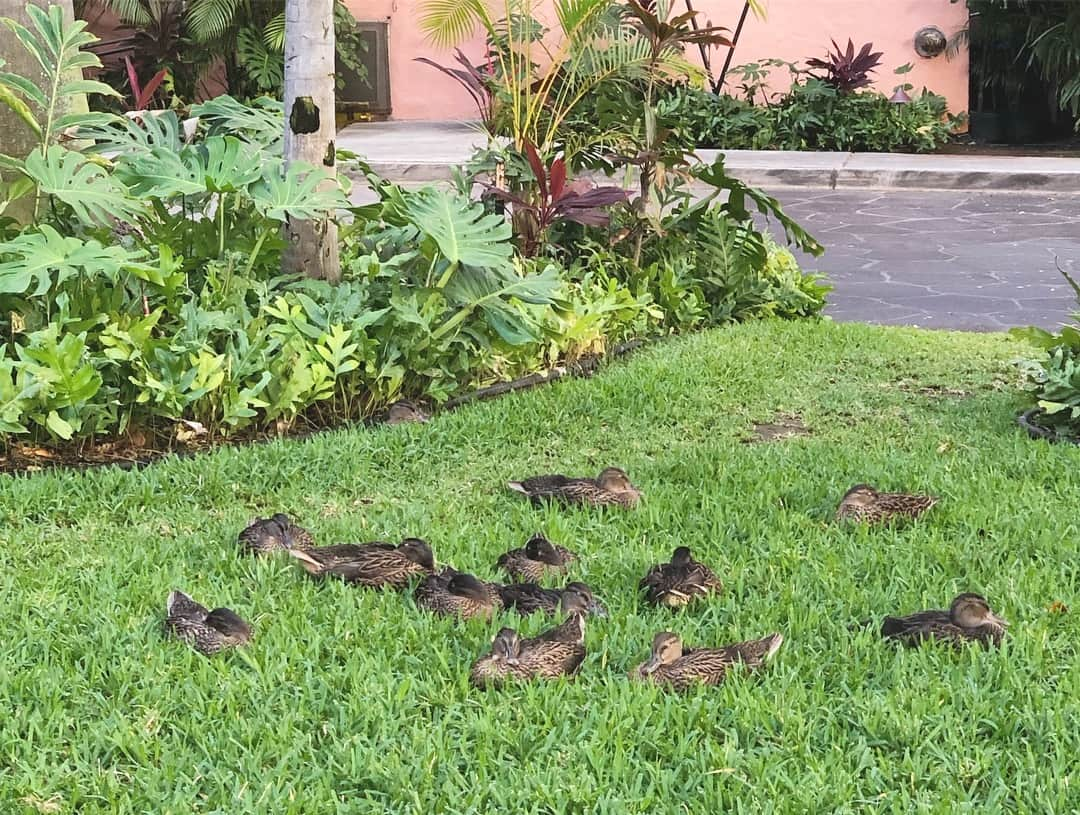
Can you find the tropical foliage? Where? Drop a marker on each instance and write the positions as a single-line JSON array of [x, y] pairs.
[[188, 39], [1054, 380], [145, 297], [814, 114]]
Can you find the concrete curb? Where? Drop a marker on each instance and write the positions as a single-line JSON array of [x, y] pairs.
[[419, 152]]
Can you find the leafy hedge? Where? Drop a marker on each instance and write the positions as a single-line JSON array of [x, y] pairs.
[[813, 115]]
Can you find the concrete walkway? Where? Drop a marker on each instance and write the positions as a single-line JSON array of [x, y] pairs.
[[975, 250], [427, 151]]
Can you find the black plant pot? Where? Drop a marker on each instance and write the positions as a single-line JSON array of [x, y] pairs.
[[1029, 421]]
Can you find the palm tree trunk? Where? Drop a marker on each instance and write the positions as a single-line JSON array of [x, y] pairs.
[[310, 128]]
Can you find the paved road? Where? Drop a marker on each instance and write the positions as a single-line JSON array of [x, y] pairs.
[[963, 260]]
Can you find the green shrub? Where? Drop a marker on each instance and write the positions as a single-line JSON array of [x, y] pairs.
[[811, 116], [1054, 380]]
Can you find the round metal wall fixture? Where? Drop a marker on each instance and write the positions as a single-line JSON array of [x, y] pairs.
[[930, 41]]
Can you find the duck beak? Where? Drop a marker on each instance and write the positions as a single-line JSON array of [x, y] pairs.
[[998, 620], [597, 608]]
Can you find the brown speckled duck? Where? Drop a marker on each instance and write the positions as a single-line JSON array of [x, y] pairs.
[[680, 581], [456, 594], [529, 598], [206, 631], [611, 488], [865, 504], [537, 558], [405, 412], [681, 668], [968, 619], [557, 652], [274, 534], [375, 565]]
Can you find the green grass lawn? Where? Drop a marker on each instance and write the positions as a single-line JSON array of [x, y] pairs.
[[352, 701]]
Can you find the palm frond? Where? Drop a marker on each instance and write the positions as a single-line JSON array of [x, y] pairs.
[[132, 12], [210, 19], [274, 33], [449, 22]]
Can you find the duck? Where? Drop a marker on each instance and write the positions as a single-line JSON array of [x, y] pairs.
[[374, 565], [554, 653], [865, 504], [611, 488], [537, 558], [405, 412], [274, 534], [529, 598], [207, 631], [679, 581], [671, 663], [457, 594], [968, 619]]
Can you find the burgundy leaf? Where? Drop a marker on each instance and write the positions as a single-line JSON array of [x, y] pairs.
[[133, 77], [537, 167], [148, 91], [558, 178], [599, 197]]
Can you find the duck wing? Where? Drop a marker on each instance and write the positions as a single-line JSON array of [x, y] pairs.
[[180, 605], [548, 659], [529, 598]]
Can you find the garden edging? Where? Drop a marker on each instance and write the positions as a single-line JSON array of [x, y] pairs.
[[425, 152]]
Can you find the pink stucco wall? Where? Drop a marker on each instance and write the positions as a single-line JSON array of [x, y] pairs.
[[794, 30]]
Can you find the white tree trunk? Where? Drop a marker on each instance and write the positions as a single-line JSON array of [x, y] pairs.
[[310, 127]]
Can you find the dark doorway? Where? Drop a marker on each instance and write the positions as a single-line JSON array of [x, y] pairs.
[[1024, 56]]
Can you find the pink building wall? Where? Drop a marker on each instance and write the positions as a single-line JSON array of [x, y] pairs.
[[794, 30]]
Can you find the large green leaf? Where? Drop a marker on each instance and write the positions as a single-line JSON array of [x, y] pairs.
[[37, 256], [92, 194], [9, 84], [57, 46], [262, 122], [464, 232], [303, 192], [120, 136]]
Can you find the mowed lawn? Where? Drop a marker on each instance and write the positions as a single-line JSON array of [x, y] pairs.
[[352, 701]]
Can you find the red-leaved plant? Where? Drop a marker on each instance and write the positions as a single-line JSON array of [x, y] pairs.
[[142, 94], [555, 201], [845, 70], [476, 83]]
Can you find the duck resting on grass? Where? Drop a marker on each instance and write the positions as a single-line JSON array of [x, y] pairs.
[[274, 534], [529, 598], [374, 565], [611, 488], [680, 581], [672, 664], [206, 631], [865, 504], [537, 558], [405, 412], [557, 652], [457, 594], [968, 619]]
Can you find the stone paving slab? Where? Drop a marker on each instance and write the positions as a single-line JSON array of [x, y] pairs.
[[973, 260], [428, 151]]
